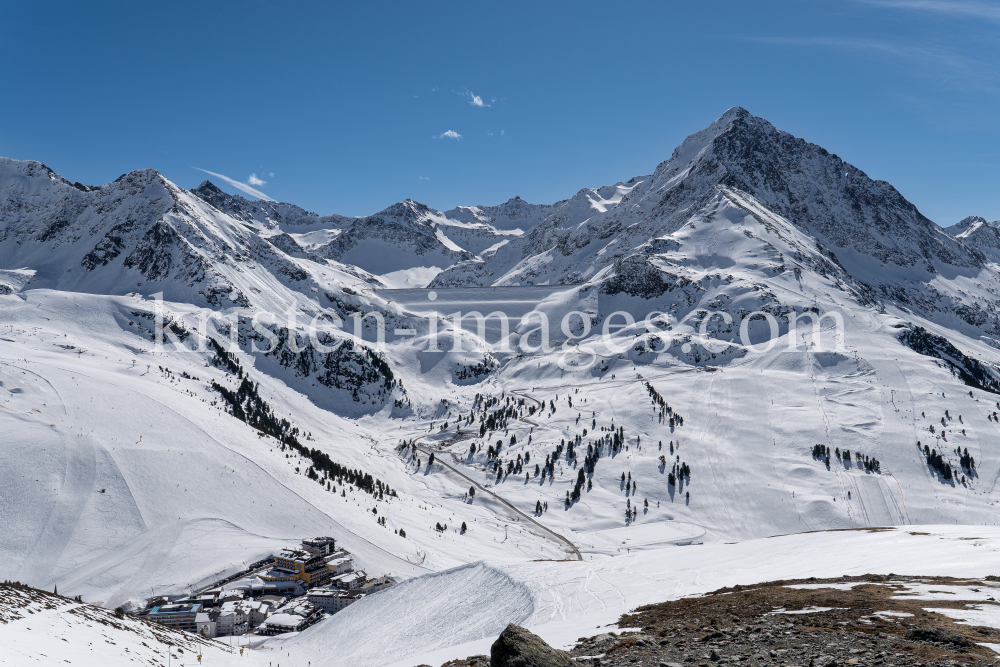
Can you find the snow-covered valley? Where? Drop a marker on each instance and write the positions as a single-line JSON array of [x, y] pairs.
[[754, 341]]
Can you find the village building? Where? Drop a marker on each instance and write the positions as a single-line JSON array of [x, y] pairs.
[[257, 613], [349, 580], [376, 584], [332, 600], [308, 567], [181, 616], [206, 623], [293, 617], [299, 586], [233, 619], [324, 546], [339, 564]]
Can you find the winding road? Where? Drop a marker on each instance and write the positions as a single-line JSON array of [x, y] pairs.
[[547, 532]]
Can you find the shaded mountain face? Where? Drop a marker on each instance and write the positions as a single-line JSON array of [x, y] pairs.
[[836, 202], [268, 214], [403, 236], [965, 224]]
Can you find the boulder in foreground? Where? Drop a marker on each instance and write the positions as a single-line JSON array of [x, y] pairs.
[[516, 647]]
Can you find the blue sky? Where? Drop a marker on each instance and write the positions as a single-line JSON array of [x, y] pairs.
[[347, 107]]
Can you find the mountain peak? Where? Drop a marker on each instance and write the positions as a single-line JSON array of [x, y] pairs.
[[736, 119], [407, 209], [735, 112], [207, 187]]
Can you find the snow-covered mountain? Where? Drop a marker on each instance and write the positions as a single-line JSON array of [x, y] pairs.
[[408, 240], [513, 214], [141, 233], [976, 232], [268, 214], [123, 459]]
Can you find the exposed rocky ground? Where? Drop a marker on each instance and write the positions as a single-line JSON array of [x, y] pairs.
[[878, 621]]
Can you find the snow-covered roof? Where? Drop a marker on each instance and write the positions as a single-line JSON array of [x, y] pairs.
[[284, 620], [337, 561]]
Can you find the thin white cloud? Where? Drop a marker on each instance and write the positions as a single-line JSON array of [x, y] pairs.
[[270, 174], [489, 133], [253, 180], [450, 134], [954, 68], [424, 178], [980, 10], [242, 187], [474, 100]]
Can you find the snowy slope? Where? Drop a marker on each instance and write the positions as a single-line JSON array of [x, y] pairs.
[[437, 616], [124, 476], [41, 629], [117, 474]]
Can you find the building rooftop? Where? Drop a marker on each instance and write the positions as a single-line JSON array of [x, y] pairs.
[[175, 609], [318, 541], [283, 620], [327, 592], [280, 572], [335, 559]]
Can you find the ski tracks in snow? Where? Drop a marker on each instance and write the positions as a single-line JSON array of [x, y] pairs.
[[78, 483]]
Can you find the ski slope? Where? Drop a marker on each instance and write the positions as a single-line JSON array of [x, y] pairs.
[[123, 482], [123, 474]]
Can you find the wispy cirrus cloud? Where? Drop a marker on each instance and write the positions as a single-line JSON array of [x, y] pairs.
[[954, 68], [450, 134], [239, 185], [979, 10]]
